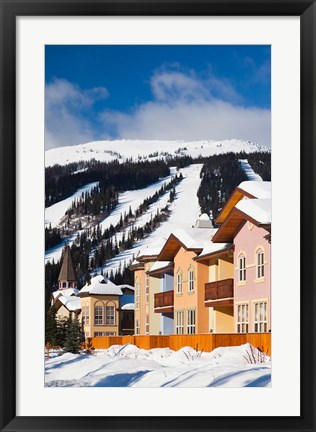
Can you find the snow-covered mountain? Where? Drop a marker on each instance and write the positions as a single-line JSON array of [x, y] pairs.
[[146, 149]]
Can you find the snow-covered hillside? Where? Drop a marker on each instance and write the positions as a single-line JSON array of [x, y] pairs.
[[129, 366], [125, 149]]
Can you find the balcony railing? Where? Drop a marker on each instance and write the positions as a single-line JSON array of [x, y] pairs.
[[164, 301], [219, 293]]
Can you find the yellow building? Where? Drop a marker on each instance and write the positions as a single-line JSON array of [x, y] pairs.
[[219, 288], [99, 307], [146, 320]]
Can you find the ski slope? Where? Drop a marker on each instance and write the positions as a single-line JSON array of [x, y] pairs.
[[54, 213]]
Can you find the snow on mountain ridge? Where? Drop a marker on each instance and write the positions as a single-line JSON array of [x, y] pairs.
[[109, 150]]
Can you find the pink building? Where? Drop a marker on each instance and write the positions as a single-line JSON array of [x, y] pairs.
[[246, 222]]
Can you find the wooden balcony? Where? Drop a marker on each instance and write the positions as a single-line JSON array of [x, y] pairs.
[[219, 293], [164, 302]]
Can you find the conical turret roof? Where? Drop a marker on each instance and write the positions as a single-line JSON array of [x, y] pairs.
[[67, 272]]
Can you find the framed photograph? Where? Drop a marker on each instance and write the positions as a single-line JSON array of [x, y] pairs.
[[121, 236]]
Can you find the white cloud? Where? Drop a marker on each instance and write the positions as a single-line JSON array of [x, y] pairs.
[[187, 107], [65, 108]]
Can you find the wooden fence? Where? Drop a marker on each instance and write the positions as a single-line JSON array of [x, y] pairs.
[[200, 342]]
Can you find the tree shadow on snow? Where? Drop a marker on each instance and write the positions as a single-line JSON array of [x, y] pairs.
[[261, 381], [121, 380]]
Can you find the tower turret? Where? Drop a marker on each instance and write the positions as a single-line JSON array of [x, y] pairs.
[[67, 277]]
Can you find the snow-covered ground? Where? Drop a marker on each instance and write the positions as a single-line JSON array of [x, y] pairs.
[[129, 366], [54, 213], [123, 149]]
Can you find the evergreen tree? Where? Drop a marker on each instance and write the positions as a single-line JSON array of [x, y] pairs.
[[51, 329], [74, 336]]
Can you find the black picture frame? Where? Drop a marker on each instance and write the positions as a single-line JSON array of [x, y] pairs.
[[10, 9]]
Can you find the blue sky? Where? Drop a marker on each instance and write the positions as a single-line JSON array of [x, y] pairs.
[[157, 92]]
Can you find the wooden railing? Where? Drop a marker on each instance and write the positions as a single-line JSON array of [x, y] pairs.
[[164, 301], [219, 290], [200, 342]]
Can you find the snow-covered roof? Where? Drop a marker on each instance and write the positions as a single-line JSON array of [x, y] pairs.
[[204, 216], [153, 250], [194, 238], [128, 306], [160, 264], [259, 189], [257, 209], [71, 303], [126, 286], [65, 292], [101, 285], [213, 247]]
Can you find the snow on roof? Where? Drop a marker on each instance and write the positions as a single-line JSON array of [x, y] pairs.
[[259, 189], [65, 292], [153, 250], [71, 303], [195, 238], [126, 286], [101, 285], [160, 264], [257, 209], [128, 306], [214, 247]]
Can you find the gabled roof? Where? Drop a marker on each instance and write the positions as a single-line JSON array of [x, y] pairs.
[[194, 239], [160, 267], [247, 189], [136, 265], [100, 285], [67, 272], [70, 303], [257, 211], [65, 292], [213, 250]]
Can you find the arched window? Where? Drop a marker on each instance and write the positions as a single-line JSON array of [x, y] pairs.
[[191, 279], [241, 268], [98, 314], [70, 284], [260, 263], [64, 284], [110, 314], [179, 282]]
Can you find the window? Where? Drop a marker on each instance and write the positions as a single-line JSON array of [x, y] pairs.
[[260, 264], [191, 321], [191, 280], [64, 284], [85, 315], [98, 315], [98, 334], [70, 284], [179, 283], [110, 315], [179, 322], [137, 329], [242, 268], [147, 325], [137, 294], [260, 323], [242, 318], [147, 288]]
